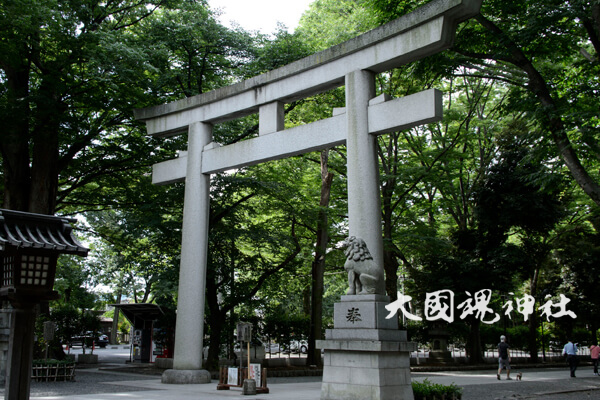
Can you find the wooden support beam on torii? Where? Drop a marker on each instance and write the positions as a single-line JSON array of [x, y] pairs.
[[353, 64]]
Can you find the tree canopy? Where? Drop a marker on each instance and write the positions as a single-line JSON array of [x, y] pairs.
[[502, 194]]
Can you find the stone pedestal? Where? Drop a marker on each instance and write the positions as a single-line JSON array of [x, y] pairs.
[[439, 343], [249, 387], [185, 377], [440, 357], [5, 313], [87, 358], [366, 356]]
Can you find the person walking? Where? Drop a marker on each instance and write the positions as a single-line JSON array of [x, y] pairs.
[[570, 350], [595, 353], [503, 358]]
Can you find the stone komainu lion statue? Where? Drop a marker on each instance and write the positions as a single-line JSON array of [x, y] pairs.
[[364, 276]]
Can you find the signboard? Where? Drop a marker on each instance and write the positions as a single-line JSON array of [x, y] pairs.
[[49, 329], [254, 373], [244, 332], [232, 376]]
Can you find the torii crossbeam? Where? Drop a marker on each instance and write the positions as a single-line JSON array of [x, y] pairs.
[[353, 64]]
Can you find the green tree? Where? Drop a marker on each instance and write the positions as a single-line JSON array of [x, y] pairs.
[[68, 77], [330, 22], [136, 251], [577, 250], [549, 55], [71, 75], [516, 198], [68, 322], [190, 52], [252, 239]]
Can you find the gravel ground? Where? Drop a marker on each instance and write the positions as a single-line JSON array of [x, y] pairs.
[[87, 381], [565, 389]]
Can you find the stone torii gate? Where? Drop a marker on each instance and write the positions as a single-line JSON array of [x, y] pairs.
[[353, 64]]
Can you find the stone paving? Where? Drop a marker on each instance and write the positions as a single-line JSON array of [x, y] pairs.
[[99, 384], [547, 383]]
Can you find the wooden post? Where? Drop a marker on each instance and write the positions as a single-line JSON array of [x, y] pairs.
[[20, 352]]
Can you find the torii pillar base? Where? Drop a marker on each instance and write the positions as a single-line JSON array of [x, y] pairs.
[[185, 376], [366, 356]]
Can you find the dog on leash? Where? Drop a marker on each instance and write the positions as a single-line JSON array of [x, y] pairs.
[[519, 376]]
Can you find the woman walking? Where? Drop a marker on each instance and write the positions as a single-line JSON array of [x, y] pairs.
[[595, 353]]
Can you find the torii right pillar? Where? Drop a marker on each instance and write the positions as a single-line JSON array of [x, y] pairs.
[[364, 204], [366, 356]]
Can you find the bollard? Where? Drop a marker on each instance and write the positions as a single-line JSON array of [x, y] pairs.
[[249, 387]]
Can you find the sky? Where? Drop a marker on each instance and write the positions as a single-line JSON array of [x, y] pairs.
[[261, 15]]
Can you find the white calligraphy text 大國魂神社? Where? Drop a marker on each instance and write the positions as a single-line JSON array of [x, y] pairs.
[[440, 306]]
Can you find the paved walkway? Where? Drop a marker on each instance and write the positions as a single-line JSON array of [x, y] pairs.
[[551, 384], [547, 383]]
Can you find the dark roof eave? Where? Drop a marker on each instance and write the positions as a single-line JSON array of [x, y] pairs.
[[19, 230]]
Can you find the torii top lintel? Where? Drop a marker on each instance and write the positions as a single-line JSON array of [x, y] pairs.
[[427, 30]]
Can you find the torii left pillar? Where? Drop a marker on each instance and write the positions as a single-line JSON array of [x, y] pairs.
[[187, 363]]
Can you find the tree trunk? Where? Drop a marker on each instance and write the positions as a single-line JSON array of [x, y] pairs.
[[44, 173], [115, 324], [216, 322], [533, 320], [390, 259], [318, 265], [474, 342], [14, 145], [30, 150], [306, 299], [50, 110]]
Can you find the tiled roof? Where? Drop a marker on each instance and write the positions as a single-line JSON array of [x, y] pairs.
[[136, 312], [38, 231]]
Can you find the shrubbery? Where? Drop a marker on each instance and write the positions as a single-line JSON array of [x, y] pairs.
[[428, 390]]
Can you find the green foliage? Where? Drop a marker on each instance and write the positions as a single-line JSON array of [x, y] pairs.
[[549, 57], [477, 201], [518, 191], [270, 54], [205, 52], [72, 282], [137, 249], [330, 22], [70, 77], [90, 322], [68, 321], [387, 10], [284, 328], [125, 328], [76, 73], [417, 331], [516, 336], [433, 391], [577, 250]]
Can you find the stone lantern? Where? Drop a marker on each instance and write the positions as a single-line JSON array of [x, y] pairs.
[[29, 248]]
